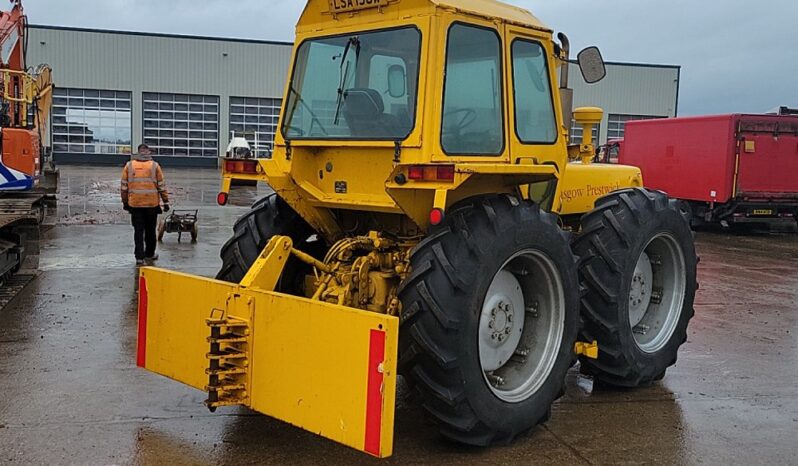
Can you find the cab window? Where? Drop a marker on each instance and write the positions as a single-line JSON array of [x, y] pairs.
[[388, 75], [535, 122], [354, 87], [472, 102]]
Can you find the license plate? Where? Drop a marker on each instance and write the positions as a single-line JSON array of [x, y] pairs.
[[762, 212], [346, 6]]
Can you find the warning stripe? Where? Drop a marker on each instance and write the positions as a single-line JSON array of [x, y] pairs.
[[141, 353], [374, 396]]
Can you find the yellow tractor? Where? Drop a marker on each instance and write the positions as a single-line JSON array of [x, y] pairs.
[[429, 221]]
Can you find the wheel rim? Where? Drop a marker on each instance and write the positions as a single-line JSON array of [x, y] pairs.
[[657, 293], [521, 326]]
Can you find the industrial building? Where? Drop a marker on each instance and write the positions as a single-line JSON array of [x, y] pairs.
[[185, 95]]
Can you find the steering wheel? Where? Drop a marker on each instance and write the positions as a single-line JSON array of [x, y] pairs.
[[469, 116]]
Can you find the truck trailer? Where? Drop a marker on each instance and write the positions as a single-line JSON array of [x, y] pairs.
[[731, 169]]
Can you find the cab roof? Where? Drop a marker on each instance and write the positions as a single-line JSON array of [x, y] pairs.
[[493, 9], [318, 11]]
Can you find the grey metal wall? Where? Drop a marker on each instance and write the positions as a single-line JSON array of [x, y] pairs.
[[151, 63], [629, 89]]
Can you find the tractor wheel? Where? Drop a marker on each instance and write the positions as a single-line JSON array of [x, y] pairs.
[[161, 230], [638, 267], [194, 233], [268, 217], [489, 319]]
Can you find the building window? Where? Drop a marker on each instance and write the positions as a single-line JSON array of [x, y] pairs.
[[617, 123], [256, 120], [576, 133], [90, 121], [181, 125]]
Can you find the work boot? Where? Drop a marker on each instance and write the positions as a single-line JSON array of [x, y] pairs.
[[151, 260], [139, 262]]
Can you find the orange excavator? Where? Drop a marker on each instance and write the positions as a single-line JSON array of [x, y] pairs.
[[25, 101]]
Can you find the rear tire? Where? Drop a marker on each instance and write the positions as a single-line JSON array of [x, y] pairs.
[[268, 217], [638, 267], [470, 276]]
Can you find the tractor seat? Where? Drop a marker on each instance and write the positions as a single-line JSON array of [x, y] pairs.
[[364, 112]]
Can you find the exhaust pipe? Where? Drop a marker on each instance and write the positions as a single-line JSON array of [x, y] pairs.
[[566, 94]]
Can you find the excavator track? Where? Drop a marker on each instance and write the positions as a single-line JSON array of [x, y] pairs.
[[11, 288], [21, 217]]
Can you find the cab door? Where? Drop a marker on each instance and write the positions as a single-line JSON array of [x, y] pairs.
[[536, 130], [471, 109]]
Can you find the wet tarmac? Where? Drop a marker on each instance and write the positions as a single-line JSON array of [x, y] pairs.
[[70, 392]]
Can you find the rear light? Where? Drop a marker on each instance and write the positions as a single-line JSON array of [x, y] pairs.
[[415, 173], [431, 172], [221, 198], [241, 166], [445, 172], [436, 216]]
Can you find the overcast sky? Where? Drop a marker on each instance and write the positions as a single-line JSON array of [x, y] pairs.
[[736, 55]]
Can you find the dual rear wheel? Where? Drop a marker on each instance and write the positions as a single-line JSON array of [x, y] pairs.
[[493, 307], [498, 295]]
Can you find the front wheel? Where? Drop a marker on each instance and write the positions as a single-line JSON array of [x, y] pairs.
[[638, 267], [490, 317], [268, 217]]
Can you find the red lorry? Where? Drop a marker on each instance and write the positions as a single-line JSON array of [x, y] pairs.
[[732, 169]]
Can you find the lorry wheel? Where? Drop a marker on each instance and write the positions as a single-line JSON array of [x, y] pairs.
[[489, 319], [638, 269], [268, 217]]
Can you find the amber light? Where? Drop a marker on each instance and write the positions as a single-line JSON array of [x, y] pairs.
[[431, 172], [241, 166]]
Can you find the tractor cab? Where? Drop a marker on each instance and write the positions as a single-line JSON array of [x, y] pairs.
[[436, 100]]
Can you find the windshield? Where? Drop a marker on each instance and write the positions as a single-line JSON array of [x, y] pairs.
[[355, 87]]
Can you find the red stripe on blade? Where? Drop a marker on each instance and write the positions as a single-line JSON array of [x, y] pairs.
[[374, 399], [141, 353]]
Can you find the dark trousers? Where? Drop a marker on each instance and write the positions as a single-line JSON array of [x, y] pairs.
[[145, 221]]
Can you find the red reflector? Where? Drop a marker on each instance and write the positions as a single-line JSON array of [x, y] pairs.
[[141, 344], [221, 199], [436, 216], [241, 166]]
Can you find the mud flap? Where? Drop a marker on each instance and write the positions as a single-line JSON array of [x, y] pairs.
[[325, 368]]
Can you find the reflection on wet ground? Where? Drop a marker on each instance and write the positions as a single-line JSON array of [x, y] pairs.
[[72, 393]]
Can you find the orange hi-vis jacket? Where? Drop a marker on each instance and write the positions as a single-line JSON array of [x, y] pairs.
[[143, 184]]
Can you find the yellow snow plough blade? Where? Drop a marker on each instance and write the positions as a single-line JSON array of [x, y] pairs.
[[326, 368]]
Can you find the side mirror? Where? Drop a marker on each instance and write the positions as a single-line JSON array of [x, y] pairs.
[[591, 64], [397, 81]]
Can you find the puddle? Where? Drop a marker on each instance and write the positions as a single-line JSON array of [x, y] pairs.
[[95, 261]]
